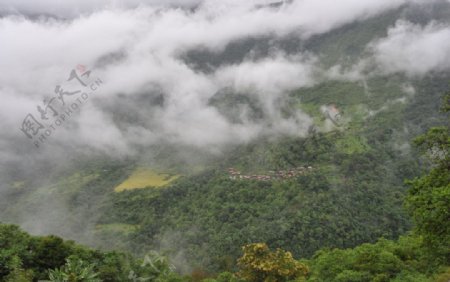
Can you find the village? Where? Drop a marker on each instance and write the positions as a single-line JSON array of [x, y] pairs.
[[271, 175]]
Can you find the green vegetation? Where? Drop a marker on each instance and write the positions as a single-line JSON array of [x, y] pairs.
[[347, 200], [423, 255], [27, 258], [383, 261], [351, 145], [353, 196], [74, 270], [258, 263], [428, 200]]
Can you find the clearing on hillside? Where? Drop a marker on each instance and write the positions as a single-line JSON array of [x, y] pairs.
[[145, 177]]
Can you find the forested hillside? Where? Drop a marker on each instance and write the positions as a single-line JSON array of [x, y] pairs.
[[422, 255], [225, 141]]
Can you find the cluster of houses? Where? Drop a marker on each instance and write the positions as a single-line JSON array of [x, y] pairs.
[[271, 175]]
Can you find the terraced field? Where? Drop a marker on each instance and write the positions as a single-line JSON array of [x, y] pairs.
[[145, 178]]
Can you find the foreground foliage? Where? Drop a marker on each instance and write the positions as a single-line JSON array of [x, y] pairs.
[[29, 258], [258, 263]]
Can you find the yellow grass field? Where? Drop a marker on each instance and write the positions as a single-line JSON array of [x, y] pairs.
[[145, 177]]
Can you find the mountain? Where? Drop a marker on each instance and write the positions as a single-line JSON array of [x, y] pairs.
[[300, 138]]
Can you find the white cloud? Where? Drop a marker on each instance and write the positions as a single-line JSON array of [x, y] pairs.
[[414, 49], [137, 47]]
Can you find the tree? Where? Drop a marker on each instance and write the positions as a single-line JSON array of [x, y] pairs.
[[18, 274], [428, 199], [259, 264], [14, 249], [382, 262], [75, 270]]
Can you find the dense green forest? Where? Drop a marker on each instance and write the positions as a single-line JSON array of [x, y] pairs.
[[421, 255], [27, 258], [353, 194]]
